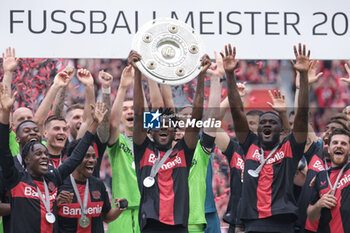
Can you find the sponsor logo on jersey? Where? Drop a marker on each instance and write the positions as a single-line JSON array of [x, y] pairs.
[[318, 165], [96, 194], [31, 192], [343, 181], [277, 157], [71, 211], [177, 160]]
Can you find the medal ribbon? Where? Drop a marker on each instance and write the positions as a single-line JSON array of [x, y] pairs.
[[46, 201], [262, 160], [334, 188], [83, 206], [159, 163]]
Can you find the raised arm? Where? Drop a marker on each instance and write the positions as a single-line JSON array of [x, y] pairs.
[[155, 95], [191, 133], [57, 108], [126, 81], [106, 81], [60, 80], [301, 118], [279, 105], [139, 133], [79, 151], [10, 63], [167, 95], [236, 105]]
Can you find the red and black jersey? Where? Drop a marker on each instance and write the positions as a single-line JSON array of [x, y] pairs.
[[335, 220], [271, 193], [315, 159], [98, 202], [167, 201], [234, 155], [27, 209]]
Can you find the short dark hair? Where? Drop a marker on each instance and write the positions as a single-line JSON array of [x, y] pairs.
[[254, 113], [25, 121], [53, 118], [338, 122], [273, 113], [73, 107], [128, 99], [339, 131], [29, 146]]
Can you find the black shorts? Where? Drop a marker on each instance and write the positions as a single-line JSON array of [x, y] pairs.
[[154, 226]]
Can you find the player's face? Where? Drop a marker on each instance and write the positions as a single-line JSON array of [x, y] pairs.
[[128, 114], [37, 161], [28, 132], [21, 114], [339, 149], [163, 137], [253, 121], [328, 130], [86, 168], [269, 129], [74, 120], [347, 111], [56, 134]]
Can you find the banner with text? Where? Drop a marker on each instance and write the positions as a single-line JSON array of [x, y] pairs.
[[105, 28]]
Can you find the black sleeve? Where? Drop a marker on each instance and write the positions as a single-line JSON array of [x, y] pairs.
[[101, 147], [9, 171], [231, 149], [104, 195], [207, 141], [315, 192], [249, 141], [76, 158], [297, 148], [188, 153], [310, 152]]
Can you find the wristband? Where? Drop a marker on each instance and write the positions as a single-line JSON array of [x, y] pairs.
[[106, 90], [207, 141]]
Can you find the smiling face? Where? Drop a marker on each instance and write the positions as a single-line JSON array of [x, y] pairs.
[[28, 132], [269, 130], [128, 114], [37, 160], [339, 149], [74, 119], [86, 168], [328, 130], [56, 133], [163, 137]]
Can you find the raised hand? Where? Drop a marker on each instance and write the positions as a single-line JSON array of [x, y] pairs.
[[105, 79], [278, 101], [133, 58], [302, 59], [98, 112], [217, 68], [85, 77], [241, 89], [61, 79], [127, 77], [6, 100], [229, 61], [347, 80], [205, 63], [313, 76], [10, 61]]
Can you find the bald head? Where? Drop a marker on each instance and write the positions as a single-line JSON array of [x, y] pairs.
[[21, 114]]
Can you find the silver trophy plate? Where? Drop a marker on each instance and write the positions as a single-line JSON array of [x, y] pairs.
[[170, 50]]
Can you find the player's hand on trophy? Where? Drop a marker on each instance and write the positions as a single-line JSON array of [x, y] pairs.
[[205, 63], [133, 58]]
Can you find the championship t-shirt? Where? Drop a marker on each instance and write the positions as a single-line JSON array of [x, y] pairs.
[[98, 203], [335, 220], [196, 185], [167, 201], [271, 193], [124, 181]]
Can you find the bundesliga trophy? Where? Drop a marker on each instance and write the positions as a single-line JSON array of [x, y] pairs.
[[170, 50]]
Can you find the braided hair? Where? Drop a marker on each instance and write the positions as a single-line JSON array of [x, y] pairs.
[[29, 146]]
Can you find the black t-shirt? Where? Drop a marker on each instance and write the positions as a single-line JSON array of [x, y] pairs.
[[27, 209], [335, 220], [167, 201], [271, 193], [98, 203], [234, 155]]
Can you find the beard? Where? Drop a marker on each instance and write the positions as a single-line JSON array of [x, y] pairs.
[[269, 145]]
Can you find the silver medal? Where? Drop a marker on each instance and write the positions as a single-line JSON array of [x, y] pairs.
[[84, 221], [148, 181], [50, 218]]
